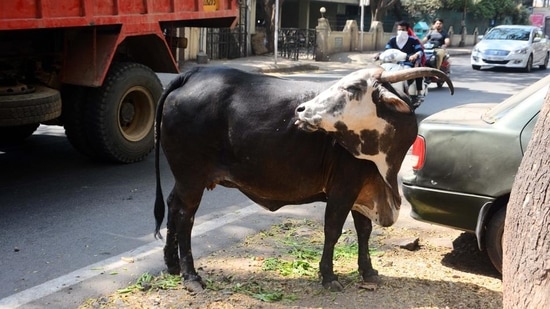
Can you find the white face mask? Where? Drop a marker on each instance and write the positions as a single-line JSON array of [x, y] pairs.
[[401, 34]]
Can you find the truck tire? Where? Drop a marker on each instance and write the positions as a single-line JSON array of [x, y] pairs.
[[15, 134], [73, 118], [41, 105], [121, 113]]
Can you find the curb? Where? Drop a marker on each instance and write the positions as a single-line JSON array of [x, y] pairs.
[[288, 68]]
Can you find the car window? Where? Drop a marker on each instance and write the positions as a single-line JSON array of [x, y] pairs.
[[515, 34], [533, 94]]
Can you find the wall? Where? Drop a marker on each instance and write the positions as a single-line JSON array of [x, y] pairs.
[[349, 39]]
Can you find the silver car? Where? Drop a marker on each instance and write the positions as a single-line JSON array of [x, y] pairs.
[[511, 46]]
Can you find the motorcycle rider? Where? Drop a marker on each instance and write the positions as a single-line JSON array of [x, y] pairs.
[[412, 46], [440, 38]]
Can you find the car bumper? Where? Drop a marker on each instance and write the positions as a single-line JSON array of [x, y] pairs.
[[509, 61], [452, 209]]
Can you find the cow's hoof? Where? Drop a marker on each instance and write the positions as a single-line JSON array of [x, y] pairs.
[[372, 278], [333, 286], [193, 286], [174, 270]]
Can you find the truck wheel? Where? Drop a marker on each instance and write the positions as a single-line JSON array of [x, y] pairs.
[[41, 105], [73, 118], [493, 238], [15, 134], [120, 114]]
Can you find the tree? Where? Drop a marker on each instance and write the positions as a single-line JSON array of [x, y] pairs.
[[378, 8], [526, 238], [422, 9], [268, 7], [490, 9]]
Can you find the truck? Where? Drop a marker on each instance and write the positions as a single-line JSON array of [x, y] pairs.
[[91, 66]]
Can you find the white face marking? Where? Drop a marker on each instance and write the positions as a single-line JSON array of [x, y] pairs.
[[357, 116], [339, 104]]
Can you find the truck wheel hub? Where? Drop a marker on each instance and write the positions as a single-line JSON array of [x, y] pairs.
[[127, 113], [15, 89]]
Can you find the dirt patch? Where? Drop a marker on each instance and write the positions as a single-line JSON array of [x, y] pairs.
[[278, 268]]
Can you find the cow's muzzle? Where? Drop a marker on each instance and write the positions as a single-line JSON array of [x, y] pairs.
[[307, 121]]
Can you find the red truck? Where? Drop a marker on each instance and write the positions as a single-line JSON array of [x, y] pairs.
[[89, 65]]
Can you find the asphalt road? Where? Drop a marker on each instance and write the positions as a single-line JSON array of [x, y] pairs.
[[71, 228]]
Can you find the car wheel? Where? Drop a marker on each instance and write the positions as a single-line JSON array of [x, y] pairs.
[[544, 66], [476, 67], [493, 238], [529, 64]]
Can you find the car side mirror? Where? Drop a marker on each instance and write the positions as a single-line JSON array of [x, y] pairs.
[[537, 39], [480, 37]]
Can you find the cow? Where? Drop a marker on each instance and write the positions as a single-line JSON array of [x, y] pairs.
[[283, 142]]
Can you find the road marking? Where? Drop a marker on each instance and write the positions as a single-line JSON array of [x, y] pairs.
[[90, 271]]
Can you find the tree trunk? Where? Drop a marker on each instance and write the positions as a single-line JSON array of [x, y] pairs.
[[269, 15], [526, 239], [378, 9]]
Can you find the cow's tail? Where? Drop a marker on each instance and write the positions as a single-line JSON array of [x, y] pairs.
[[159, 209]]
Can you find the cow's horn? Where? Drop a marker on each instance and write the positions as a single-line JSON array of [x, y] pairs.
[[412, 73]]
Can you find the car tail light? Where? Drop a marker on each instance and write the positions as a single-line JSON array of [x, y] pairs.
[[419, 152]]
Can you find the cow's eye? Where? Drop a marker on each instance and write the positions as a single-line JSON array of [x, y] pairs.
[[353, 90]]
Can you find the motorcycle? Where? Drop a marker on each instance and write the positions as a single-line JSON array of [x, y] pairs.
[[431, 61], [392, 60]]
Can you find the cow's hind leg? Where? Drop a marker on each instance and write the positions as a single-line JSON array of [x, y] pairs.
[[182, 208], [363, 227], [171, 256]]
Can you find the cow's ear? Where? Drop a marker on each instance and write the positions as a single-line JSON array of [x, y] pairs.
[[393, 102]]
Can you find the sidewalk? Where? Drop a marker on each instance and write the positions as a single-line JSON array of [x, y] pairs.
[[266, 63]]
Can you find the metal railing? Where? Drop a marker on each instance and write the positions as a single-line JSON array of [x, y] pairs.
[[227, 43], [294, 43]]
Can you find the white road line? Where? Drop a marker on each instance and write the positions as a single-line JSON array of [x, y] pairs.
[[90, 271]]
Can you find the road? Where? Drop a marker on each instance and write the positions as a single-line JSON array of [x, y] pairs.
[[72, 228]]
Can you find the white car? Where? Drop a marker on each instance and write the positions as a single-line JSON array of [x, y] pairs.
[[511, 46]]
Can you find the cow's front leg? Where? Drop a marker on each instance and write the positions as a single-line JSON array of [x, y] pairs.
[[334, 222], [363, 227]]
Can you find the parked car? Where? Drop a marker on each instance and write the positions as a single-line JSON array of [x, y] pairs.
[[512, 46], [466, 161]]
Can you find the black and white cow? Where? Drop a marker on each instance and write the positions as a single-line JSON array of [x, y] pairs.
[[284, 142]]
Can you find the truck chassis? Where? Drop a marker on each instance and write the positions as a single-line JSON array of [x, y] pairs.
[[91, 66]]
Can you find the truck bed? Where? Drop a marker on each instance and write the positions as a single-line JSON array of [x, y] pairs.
[[137, 16]]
